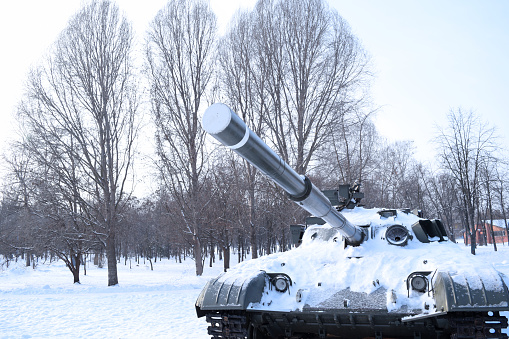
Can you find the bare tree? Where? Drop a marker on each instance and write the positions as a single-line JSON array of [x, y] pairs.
[[179, 49], [315, 71], [387, 183], [464, 146], [57, 219], [80, 118], [16, 226], [350, 154], [488, 184], [441, 196], [243, 84], [229, 210]]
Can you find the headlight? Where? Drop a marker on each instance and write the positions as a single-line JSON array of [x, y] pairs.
[[417, 281], [280, 284], [280, 281], [397, 235]]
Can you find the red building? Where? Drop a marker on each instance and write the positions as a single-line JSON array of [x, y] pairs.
[[483, 233]]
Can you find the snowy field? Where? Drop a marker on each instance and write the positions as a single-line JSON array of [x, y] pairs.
[[43, 303]]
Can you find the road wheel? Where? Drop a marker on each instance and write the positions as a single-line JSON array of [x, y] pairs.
[[254, 332]]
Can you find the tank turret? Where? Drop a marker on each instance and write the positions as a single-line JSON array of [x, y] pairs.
[[396, 276]]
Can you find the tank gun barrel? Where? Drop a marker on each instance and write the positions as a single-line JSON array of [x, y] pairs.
[[226, 127]]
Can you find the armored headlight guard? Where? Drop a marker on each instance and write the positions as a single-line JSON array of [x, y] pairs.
[[280, 281], [418, 281]]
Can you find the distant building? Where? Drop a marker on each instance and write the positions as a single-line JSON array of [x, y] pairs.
[[483, 234]]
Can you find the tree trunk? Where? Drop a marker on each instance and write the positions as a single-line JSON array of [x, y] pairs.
[[254, 247], [469, 214], [197, 255], [473, 240], [491, 218], [212, 256], [76, 269], [226, 254], [112, 260], [503, 213]]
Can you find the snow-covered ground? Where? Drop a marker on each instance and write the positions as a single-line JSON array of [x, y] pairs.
[[43, 303]]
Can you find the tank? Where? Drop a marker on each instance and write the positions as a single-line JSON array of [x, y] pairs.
[[356, 272]]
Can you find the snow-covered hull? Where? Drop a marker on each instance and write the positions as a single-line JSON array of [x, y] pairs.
[[348, 314], [326, 289]]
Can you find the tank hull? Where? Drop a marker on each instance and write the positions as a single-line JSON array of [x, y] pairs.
[[246, 307], [333, 291]]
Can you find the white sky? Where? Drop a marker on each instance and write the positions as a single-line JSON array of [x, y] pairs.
[[429, 56]]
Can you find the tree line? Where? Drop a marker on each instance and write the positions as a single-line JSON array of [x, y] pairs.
[[291, 69]]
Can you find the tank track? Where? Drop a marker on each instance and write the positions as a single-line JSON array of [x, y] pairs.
[[227, 326], [461, 326], [478, 325]]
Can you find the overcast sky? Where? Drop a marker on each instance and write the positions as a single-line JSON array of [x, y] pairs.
[[428, 56]]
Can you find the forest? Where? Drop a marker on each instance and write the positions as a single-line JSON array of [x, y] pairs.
[[100, 111]]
